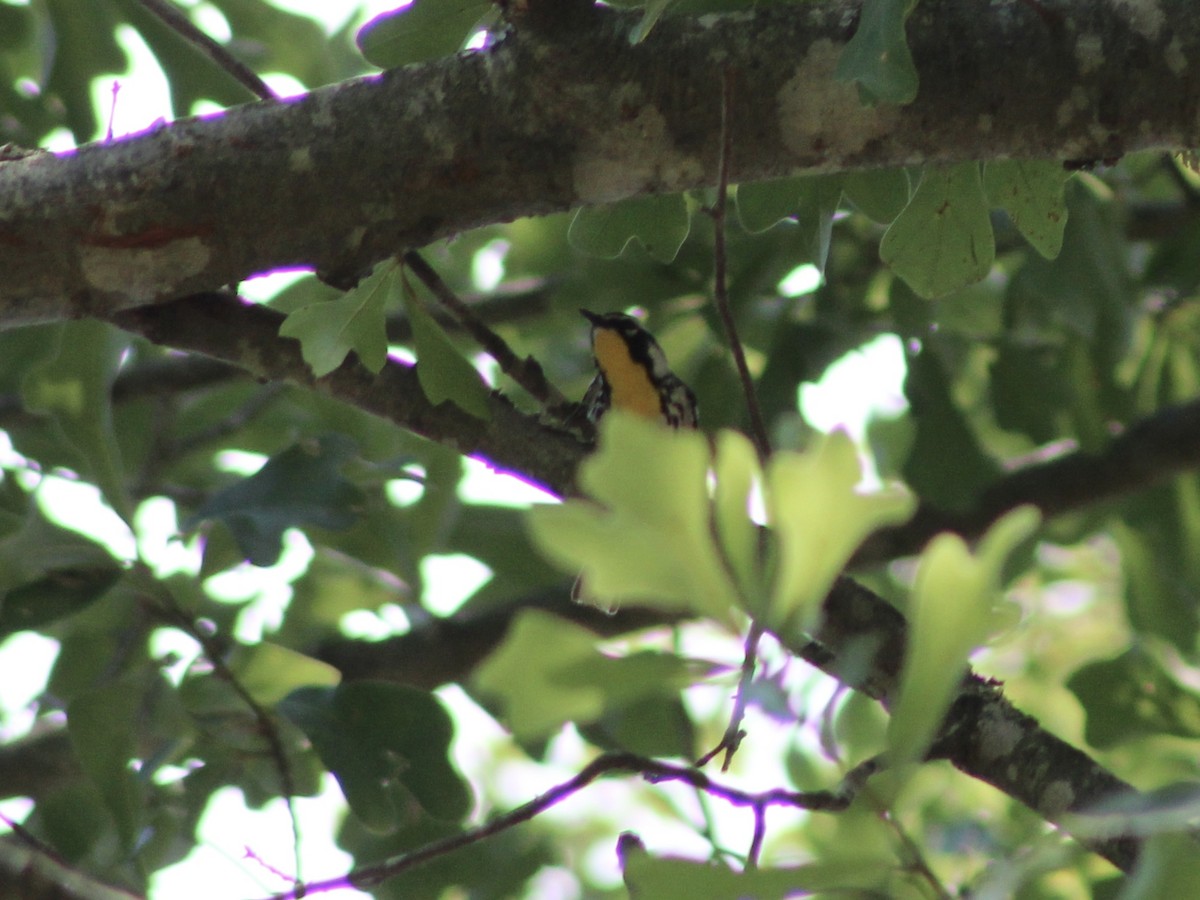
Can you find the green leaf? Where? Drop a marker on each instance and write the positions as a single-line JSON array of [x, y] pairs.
[[1133, 696], [75, 388], [1168, 867], [648, 539], [423, 30], [810, 200], [950, 615], [48, 573], [735, 468], [548, 672], [943, 239], [877, 58], [820, 518], [269, 672], [1033, 193], [660, 224], [443, 372], [650, 15], [649, 876], [386, 745], [946, 465], [103, 725], [881, 194], [329, 330], [301, 486]]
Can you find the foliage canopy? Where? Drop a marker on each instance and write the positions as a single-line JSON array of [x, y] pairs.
[[1032, 510]]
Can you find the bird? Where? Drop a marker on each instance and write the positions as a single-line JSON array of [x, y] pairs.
[[632, 374]]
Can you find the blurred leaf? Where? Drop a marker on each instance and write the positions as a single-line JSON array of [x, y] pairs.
[[950, 616], [75, 388], [735, 468], [1133, 696], [1168, 867], [1159, 597], [877, 57], [329, 330], [548, 672], [881, 194], [301, 486], [1032, 193], [652, 12], [648, 541], [103, 725], [811, 200], [820, 516], [269, 672], [650, 726], [946, 466], [420, 31], [82, 47], [443, 372], [943, 239], [48, 573], [59, 593], [659, 223], [383, 742], [660, 877]]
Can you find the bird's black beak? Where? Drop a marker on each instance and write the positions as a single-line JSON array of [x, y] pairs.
[[591, 316]]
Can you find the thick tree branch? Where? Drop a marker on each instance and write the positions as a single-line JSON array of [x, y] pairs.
[[1146, 453], [222, 327], [546, 121]]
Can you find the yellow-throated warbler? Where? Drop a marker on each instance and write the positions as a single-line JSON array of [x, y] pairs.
[[632, 374]]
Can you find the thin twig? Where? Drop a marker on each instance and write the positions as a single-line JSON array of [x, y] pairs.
[[652, 770], [732, 739], [215, 656], [526, 372], [182, 25], [758, 428]]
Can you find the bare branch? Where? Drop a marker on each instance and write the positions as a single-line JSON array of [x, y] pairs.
[[174, 19], [579, 117], [652, 770], [525, 372]]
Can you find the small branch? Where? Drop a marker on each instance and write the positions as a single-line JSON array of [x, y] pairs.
[[220, 325], [182, 25], [652, 770], [732, 739], [26, 871], [1149, 451], [758, 428], [526, 372], [166, 604]]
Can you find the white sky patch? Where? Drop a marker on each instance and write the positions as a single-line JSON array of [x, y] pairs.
[[803, 279], [863, 383], [25, 662], [487, 265], [229, 828], [143, 94], [404, 492], [375, 625], [484, 485], [78, 506], [239, 462], [181, 650], [262, 288], [267, 588], [451, 580], [157, 524]]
